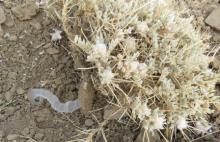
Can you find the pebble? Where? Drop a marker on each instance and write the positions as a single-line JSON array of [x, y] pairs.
[[43, 115], [9, 22], [46, 22], [25, 11], [10, 94], [52, 51], [13, 38], [89, 122], [12, 75], [213, 19], [39, 136], [20, 91], [36, 25], [2, 16], [3, 117], [11, 137], [10, 110], [47, 45], [25, 131]]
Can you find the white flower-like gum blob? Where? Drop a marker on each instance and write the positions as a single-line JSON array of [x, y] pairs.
[[107, 76], [181, 123], [98, 52], [56, 35], [130, 44], [143, 111], [142, 27], [155, 121], [100, 49]]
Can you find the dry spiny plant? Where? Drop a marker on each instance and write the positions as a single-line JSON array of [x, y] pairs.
[[149, 57]]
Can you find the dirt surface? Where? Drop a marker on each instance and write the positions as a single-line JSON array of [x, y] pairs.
[[30, 59]]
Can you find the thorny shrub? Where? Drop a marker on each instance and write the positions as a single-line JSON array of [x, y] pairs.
[[149, 53]]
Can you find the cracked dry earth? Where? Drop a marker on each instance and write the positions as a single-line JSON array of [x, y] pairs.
[[30, 59]]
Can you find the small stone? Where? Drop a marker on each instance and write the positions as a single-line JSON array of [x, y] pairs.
[[20, 91], [25, 11], [10, 94], [46, 22], [3, 117], [10, 110], [43, 115], [36, 25], [52, 51], [89, 122], [2, 16], [11, 137], [213, 19], [12, 75], [13, 38], [25, 131], [9, 22], [39, 136], [47, 45]]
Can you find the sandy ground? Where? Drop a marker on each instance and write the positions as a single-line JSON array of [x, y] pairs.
[[29, 59]]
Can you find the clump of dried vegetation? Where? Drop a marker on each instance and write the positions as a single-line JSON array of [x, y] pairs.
[[147, 55]]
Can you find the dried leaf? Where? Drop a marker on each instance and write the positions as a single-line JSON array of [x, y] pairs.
[[86, 96]]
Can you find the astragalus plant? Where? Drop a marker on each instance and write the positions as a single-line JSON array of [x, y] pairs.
[[148, 56]]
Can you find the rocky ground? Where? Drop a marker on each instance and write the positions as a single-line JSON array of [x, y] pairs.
[[31, 58]]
